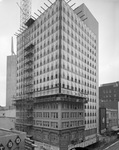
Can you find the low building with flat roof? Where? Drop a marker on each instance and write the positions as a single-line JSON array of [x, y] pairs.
[[7, 118], [12, 139]]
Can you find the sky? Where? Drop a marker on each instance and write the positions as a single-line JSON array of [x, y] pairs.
[[106, 13]]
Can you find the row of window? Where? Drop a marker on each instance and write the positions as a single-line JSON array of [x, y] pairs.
[[69, 124], [54, 106], [87, 106], [52, 115], [90, 114], [55, 86], [90, 121], [79, 58], [51, 77], [46, 123], [72, 106], [72, 115], [46, 106], [72, 88]]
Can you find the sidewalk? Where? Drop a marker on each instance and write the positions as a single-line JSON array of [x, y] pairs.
[[103, 143]]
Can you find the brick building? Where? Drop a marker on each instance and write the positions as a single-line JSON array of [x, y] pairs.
[[109, 92]]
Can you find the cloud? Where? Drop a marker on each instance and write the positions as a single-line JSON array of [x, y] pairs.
[[1, 0]]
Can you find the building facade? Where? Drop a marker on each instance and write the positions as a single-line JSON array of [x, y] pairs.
[[57, 77], [109, 92], [11, 79]]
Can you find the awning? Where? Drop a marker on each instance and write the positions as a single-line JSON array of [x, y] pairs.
[[115, 128]]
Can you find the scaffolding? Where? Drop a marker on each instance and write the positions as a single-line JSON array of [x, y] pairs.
[[24, 103], [27, 101]]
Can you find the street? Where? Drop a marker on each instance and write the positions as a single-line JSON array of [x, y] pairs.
[[114, 146]]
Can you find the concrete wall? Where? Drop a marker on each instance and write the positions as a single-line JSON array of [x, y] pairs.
[[7, 118], [8, 113], [7, 123]]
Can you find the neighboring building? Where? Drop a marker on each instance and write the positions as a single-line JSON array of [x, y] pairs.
[[109, 92], [112, 118], [57, 77], [11, 79], [12, 139], [111, 114], [108, 120]]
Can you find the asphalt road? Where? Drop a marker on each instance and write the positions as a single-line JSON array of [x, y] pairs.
[[114, 146]]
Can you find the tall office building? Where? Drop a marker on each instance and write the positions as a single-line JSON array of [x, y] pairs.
[[57, 77], [11, 77]]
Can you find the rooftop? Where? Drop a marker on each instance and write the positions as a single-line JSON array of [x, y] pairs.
[[110, 84], [4, 132]]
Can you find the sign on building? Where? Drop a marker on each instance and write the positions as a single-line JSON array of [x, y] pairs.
[[102, 120]]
